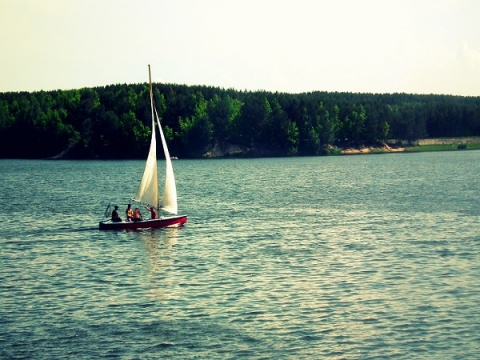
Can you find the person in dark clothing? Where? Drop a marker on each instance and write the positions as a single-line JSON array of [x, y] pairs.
[[115, 217]]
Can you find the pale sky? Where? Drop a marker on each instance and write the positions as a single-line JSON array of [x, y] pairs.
[[374, 46]]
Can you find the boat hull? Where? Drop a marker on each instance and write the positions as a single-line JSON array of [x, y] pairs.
[[173, 221]]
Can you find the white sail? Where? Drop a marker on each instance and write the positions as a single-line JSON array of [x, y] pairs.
[[148, 189], [169, 199]]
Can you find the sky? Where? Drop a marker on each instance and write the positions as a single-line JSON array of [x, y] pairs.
[[293, 46]]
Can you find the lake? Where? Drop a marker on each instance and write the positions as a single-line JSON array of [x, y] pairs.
[[351, 257]]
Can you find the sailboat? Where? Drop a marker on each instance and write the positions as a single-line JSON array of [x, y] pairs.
[[147, 192]]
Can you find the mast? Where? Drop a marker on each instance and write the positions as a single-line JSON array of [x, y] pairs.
[[148, 189], [150, 82], [153, 110], [153, 121], [151, 99]]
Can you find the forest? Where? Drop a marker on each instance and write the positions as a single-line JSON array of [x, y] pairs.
[[113, 122]]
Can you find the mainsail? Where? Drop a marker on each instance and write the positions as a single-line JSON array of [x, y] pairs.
[[148, 189]]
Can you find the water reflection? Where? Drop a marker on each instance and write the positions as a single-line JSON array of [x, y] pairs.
[[160, 251]]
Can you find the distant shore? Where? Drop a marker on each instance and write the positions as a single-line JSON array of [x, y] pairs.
[[422, 145], [390, 146], [372, 150]]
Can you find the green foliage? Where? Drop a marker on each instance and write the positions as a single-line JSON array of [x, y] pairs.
[[293, 139], [224, 113], [6, 118], [385, 131], [115, 121], [196, 131]]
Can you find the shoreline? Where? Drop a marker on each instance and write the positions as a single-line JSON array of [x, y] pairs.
[[395, 147], [371, 150], [421, 145]]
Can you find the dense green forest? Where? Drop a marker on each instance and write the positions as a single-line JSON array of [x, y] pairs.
[[113, 122]]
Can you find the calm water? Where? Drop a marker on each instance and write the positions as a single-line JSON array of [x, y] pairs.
[[360, 257]]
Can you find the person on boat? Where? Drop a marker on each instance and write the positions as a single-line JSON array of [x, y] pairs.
[[129, 212], [136, 215], [153, 212], [115, 217]]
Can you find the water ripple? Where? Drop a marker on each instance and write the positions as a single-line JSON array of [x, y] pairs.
[[281, 258]]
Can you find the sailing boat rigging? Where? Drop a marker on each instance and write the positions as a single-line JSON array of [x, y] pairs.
[[147, 192]]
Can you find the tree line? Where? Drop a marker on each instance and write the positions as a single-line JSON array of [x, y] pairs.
[[113, 122]]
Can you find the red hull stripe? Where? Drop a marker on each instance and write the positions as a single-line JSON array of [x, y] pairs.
[[145, 224]]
